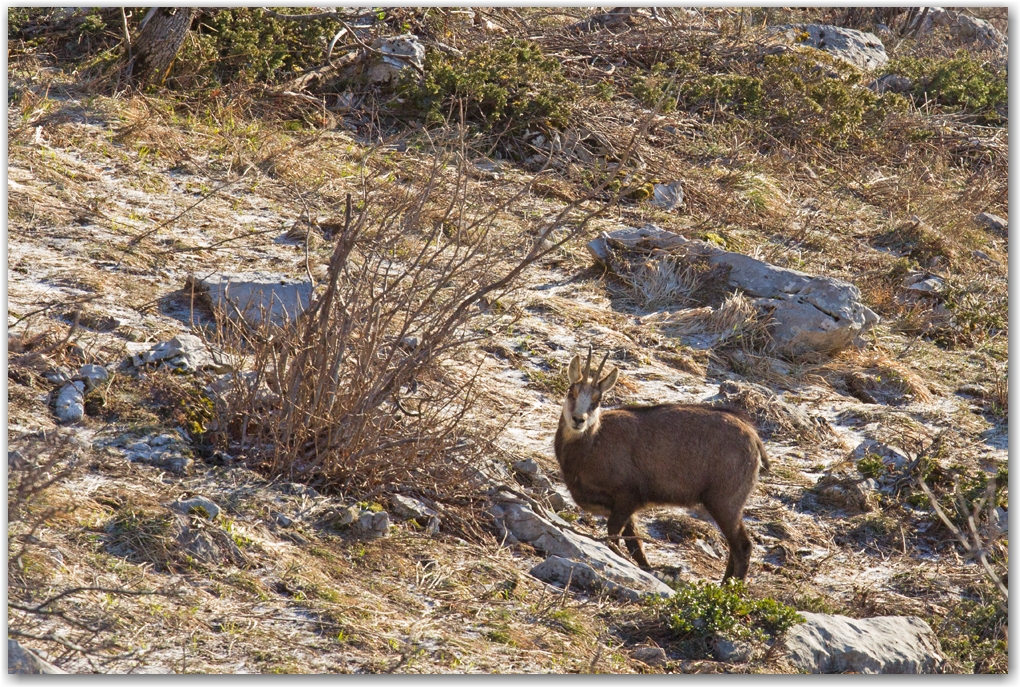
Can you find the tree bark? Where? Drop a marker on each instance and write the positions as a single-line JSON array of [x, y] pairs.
[[158, 43]]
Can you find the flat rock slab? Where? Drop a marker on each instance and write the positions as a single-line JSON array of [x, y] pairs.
[[887, 644], [809, 314], [593, 564], [257, 297], [863, 50]]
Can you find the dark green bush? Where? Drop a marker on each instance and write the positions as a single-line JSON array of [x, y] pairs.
[[701, 610], [795, 95], [244, 44], [508, 84], [959, 84]]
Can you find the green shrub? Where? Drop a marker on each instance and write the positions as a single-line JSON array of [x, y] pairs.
[[969, 635], [243, 44], [703, 609], [960, 83], [871, 466], [510, 85]]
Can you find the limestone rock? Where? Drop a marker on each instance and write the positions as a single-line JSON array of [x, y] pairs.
[[411, 509], [894, 83], [184, 352], [809, 314], [863, 50], [993, 222], [70, 405], [373, 524], [667, 196], [23, 661], [257, 297], [92, 375], [198, 505], [397, 53], [652, 655], [887, 644], [732, 651], [599, 564]]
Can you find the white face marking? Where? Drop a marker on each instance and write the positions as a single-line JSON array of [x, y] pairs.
[[578, 414]]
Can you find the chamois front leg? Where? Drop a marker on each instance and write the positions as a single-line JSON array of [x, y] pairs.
[[619, 520]]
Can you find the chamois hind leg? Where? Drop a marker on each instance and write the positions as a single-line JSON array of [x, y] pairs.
[[637, 551], [732, 527]]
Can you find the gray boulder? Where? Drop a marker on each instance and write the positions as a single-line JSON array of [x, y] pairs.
[[963, 27], [888, 644], [809, 314], [863, 50], [70, 405], [257, 297], [23, 661], [516, 521]]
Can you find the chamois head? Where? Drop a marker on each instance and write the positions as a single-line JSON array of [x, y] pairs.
[[581, 407]]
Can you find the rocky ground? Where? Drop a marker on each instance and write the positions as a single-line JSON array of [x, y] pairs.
[[185, 557]]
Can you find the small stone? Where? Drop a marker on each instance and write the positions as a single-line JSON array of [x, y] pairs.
[[729, 651], [16, 461], [652, 655], [92, 375], [411, 509], [70, 405], [173, 461], [374, 524], [993, 222], [667, 196], [556, 501], [432, 529], [527, 467], [283, 521], [196, 505], [138, 447], [58, 376], [981, 255], [164, 439], [975, 390], [346, 516]]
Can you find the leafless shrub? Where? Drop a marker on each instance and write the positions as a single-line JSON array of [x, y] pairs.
[[370, 389]]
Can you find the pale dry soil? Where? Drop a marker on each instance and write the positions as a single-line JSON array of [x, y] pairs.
[[310, 599]]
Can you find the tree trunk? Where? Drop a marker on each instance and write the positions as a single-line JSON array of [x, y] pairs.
[[160, 39]]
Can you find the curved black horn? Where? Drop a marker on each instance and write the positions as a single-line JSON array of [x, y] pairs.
[[587, 366], [601, 365]]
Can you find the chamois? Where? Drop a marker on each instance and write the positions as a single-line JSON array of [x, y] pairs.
[[616, 462]]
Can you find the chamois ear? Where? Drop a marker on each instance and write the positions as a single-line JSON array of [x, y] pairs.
[[609, 381], [574, 370]]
